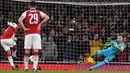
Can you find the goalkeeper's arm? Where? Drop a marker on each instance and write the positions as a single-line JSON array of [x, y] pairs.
[[119, 48]]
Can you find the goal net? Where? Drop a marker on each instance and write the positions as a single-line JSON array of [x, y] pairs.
[[76, 29]]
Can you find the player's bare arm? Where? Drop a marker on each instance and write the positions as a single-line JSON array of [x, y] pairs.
[[20, 20], [46, 18]]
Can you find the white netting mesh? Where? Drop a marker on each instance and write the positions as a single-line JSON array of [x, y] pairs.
[[75, 30]]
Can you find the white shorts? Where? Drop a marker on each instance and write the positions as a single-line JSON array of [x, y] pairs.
[[7, 43], [32, 41]]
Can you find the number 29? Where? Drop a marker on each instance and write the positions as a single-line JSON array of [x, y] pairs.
[[33, 18]]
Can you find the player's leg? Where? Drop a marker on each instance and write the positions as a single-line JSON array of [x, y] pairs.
[[98, 65], [14, 67], [8, 52], [36, 57], [36, 47], [14, 49], [26, 58], [105, 61], [27, 47]]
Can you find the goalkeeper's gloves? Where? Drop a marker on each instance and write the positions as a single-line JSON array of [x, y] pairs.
[[116, 45], [12, 24]]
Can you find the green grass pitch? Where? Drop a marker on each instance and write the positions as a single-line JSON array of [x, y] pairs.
[[11, 71]]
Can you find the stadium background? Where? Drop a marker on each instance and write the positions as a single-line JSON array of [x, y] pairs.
[[97, 24]]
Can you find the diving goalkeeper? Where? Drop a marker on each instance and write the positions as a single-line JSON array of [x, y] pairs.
[[117, 46]]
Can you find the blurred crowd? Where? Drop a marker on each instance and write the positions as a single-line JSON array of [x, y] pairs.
[[73, 31]]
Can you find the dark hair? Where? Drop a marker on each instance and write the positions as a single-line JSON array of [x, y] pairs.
[[33, 4], [120, 35]]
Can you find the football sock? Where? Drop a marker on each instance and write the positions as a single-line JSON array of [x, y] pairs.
[[14, 50], [35, 62], [26, 59], [98, 65], [10, 59]]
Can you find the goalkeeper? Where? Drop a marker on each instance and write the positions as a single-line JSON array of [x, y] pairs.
[[117, 46]]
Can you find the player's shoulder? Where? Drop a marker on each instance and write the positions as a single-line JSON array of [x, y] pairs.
[[39, 11], [25, 12], [9, 27]]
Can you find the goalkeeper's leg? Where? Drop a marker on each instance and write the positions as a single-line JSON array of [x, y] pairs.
[[105, 61], [99, 52]]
